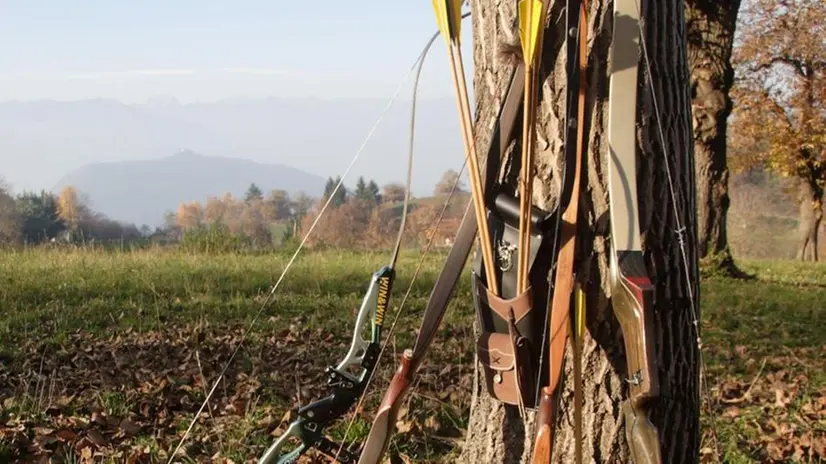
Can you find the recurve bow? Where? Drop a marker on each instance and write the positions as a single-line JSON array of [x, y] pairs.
[[349, 379], [564, 278], [631, 289]]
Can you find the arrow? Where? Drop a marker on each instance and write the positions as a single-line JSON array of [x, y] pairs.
[[531, 19], [448, 16]]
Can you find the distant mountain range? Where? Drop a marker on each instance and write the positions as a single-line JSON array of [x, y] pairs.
[[42, 141], [141, 191]]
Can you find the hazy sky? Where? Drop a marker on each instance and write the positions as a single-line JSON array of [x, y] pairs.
[[205, 50]]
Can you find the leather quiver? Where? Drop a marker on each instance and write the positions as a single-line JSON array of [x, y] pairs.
[[507, 356], [505, 377], [512, 323]]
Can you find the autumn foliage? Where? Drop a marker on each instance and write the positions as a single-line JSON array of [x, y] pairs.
[[779, 120]]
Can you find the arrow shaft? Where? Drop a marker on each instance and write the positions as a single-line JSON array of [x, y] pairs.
[[532, 26], [463, 105]]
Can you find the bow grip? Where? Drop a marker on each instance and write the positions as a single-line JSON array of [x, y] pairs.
[[544, 428], [632, 300]]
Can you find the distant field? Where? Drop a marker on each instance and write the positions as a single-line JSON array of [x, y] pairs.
[[110, 354]]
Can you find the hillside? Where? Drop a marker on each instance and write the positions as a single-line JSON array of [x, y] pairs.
[[141, 191], [41, 141]]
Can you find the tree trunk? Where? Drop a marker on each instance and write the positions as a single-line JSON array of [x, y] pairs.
[[710, 27], [811, 214], [496, 433]]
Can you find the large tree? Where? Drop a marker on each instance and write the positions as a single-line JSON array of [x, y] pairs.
[[779, 120], [495, 432], [710, 26]]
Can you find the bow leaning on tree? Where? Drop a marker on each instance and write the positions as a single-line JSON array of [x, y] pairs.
[[349, 379], [364, 354], [631, 289], [632, 292], [564, 280]]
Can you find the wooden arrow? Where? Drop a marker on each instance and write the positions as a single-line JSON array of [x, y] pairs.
[[448, 16], [531, 31]]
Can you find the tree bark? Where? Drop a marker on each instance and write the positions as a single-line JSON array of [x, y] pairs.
[[710, 27], [496, 433], [811, 214]]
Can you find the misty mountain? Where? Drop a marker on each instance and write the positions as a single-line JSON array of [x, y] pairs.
[[141, 191], [42, 141]]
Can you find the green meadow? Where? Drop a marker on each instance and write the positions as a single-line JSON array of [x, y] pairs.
[[108, 355]]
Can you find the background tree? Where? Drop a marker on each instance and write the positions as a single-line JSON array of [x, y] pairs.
[[343, 227], [189, 216], [445, 184], [374, 193], [368, 193], [301, 204], [254, 225], [361, 188], [341, 194], [710, 27], [393, 193], [496, 432], [779, 119], [277, 206], [215, 210], [253, 193], [11, 222], [70, 207], [41, 221]]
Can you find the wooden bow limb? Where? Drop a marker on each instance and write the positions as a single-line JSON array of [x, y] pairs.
[[564, 279]]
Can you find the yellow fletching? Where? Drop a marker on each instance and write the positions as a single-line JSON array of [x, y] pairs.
[[580, 313], [449, 18], [456, 18], [530, 20]]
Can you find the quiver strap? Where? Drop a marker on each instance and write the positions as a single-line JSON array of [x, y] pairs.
[[509, 345]]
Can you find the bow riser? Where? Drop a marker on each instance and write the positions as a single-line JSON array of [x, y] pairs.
[[347, 386], [372, 311], [632, 298]]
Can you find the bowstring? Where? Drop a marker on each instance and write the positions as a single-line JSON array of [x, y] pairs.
[[272, 291], [420, 265], [680, 231], [403, 304]]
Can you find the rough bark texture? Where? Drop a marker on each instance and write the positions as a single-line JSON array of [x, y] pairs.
[[710, 26], [810, 198], [496, 434]]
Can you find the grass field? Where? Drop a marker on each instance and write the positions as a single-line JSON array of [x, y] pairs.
[[106, 356]]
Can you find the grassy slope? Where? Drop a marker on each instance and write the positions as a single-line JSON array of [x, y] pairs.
[[90, 339]]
